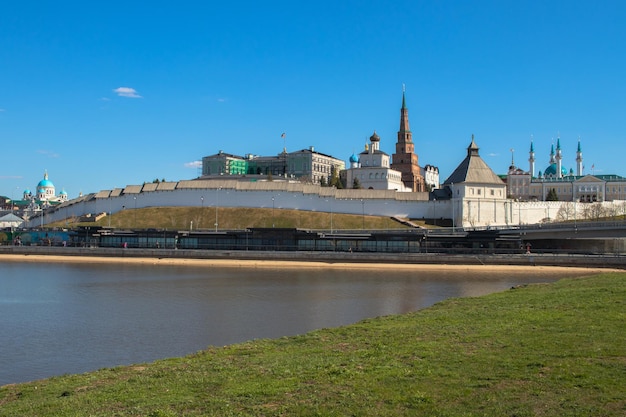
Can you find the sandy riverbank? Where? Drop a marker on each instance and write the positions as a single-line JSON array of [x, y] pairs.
[[243, 263]]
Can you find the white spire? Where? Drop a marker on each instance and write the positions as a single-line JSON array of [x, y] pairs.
[[579, 160], [531, 157]]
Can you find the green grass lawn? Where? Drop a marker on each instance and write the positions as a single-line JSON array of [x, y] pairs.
[[540, 350], [181, 218]]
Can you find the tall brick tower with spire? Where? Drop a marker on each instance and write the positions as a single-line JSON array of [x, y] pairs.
[[405, 159]]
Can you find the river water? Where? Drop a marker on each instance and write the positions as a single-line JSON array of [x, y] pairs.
[[73, 318]]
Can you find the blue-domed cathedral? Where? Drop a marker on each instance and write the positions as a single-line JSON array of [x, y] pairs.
[[45, 193]]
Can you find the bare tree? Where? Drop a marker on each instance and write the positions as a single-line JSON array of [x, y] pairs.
[[566, 212], [594, 211]]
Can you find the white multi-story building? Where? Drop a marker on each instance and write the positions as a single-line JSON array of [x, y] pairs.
[[307, 165], [431, 176]]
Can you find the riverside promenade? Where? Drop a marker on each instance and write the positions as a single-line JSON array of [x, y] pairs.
[[69, 254]]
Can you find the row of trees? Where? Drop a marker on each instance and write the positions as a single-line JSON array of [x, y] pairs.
[[336, 182], [590, 211]]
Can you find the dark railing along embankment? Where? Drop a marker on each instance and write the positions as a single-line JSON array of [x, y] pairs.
[[441, 258]]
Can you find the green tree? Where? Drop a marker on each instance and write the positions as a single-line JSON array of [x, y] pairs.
[[552, 196], [356, 184], [323, 182], [334, 179]]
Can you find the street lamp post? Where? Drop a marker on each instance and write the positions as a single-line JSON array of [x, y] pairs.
[[135, 221], [623, 204], [13, 200], [330, 201], [434, 203], [201, 210], [453, 203], [362, 214], [273, 212], [217, 204]]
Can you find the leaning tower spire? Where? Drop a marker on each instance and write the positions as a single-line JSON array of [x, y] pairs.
[[405, 159], [404, 134]]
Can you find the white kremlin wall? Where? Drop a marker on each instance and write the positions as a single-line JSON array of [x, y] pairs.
[[285, 195], [485, 213], [225, 193]]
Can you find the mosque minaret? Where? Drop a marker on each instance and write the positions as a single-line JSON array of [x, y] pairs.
[[531, 159], [559, 158], [579, 160]]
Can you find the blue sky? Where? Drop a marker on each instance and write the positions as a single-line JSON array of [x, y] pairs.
[[106, 94]]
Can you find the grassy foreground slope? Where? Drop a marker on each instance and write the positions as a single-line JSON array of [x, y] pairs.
[[540, 350], [182, 218]]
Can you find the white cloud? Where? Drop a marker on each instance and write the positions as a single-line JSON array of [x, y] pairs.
[[126, 92], [193, 164], [49, 154], [221, 100], [494, 154], [1, 110]]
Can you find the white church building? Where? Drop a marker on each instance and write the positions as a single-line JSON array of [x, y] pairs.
[[371, 169], [45, 193]]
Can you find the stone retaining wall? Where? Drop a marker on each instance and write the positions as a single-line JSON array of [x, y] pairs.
[[566, 260]]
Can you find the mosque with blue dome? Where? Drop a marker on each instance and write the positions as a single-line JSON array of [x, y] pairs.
[[562, 183]]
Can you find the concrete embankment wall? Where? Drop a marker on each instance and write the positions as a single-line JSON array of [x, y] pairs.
[[566, 260]]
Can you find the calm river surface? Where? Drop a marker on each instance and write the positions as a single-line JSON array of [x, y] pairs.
[[73, 318]]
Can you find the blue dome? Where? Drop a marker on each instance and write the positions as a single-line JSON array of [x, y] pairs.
[[63, 192], [45, 184], [354, 158], [27, 191], [551, 171]]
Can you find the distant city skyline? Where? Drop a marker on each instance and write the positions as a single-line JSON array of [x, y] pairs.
[[107, 95]]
